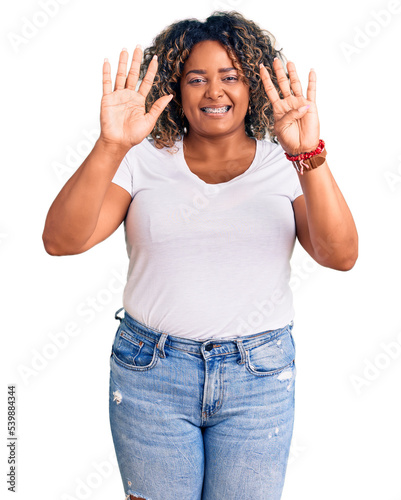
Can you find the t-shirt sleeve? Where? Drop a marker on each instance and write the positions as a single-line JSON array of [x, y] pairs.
[[298, 189], [294, 187], [124, 177], [288, 175]]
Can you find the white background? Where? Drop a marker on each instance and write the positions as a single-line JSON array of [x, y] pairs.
[[347, 328]]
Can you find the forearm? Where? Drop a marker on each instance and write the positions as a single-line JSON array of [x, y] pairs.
[[331, 226], [73, 215]]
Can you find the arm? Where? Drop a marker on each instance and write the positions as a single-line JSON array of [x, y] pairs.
[[90, 207], [325, 226]]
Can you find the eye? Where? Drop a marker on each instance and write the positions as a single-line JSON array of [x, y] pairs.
[[196, 80], [231, 78]]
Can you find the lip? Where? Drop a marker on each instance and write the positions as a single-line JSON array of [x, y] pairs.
[[216, 106]]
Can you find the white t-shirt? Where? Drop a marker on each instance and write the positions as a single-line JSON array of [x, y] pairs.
[[209, 260]]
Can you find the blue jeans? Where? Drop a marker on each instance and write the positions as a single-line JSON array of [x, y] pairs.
[[195, 420]]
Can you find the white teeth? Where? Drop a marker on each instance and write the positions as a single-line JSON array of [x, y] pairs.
[[216, 110]]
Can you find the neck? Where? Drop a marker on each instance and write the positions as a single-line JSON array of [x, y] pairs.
[[222, 147]]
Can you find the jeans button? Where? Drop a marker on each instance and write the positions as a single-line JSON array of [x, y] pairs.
[[209, 347]]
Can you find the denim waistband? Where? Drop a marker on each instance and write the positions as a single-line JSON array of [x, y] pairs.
[[219, 346]]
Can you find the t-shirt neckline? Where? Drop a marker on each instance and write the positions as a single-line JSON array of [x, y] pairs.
[[185, 167]]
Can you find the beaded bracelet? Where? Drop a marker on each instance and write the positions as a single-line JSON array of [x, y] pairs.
[[310, 160]]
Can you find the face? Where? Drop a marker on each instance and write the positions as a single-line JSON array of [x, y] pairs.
[[214, 99]]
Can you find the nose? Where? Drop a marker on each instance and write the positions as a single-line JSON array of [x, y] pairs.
[[214, 89]]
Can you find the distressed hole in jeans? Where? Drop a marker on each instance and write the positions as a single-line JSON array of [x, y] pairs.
[[287, 375], [117, 397]]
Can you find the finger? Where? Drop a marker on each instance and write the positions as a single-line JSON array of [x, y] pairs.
[[135, 68], [107, 83], [147, 81], [311, 90], [122, 70], [159, 106], [295, 83], [282, 78], [270, 89]]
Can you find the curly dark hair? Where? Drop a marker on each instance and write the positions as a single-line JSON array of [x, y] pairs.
[[247, 45]]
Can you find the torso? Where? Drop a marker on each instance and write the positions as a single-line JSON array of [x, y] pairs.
[[214, 243]]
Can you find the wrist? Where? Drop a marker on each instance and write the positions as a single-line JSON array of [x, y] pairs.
[[304, 154], [310, 160], [110, 148]]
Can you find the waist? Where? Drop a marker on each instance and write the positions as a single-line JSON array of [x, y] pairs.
[[219, 345]]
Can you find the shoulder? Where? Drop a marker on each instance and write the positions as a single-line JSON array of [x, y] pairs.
[[270, 151], [278, 170], [270, 156], [148, 151]]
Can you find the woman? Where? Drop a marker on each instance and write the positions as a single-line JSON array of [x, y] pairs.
[[202, 364]]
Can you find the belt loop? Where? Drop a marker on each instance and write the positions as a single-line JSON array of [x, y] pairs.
[[116, 315], [242, 351], [160, 344]]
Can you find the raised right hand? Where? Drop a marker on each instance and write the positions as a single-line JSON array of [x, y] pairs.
[[123, 118]]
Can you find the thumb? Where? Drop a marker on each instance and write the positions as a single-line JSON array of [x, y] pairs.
[[159, 106], [304, 109], [297, 114]]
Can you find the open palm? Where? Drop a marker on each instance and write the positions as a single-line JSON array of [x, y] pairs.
[[296, 122], [123, 117]]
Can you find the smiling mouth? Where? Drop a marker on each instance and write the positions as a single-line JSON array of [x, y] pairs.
[[215, 111]]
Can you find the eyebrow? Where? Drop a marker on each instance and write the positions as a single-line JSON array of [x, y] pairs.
[[203, 72]]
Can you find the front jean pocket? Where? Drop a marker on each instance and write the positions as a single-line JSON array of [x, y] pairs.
[[272, 356], [134, 353]]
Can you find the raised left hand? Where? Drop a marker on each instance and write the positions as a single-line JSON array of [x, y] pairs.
[[297, 130]]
